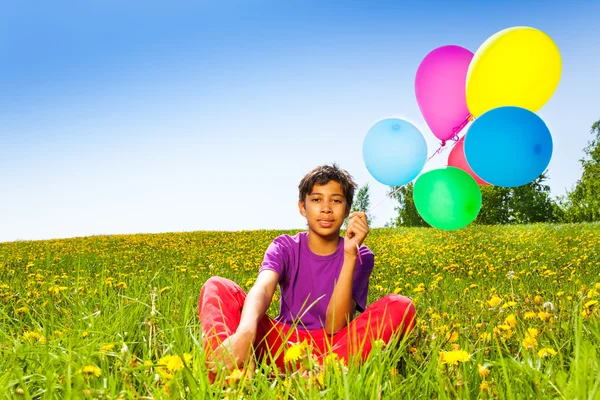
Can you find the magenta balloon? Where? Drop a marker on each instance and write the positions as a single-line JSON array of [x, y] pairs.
[[440, 89]]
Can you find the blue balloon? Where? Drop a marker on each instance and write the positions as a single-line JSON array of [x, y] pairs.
[[394, 151], [508, 146]]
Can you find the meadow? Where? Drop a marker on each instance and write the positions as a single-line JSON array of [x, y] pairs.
[[502, 312]]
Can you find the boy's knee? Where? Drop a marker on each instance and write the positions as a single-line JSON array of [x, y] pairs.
[[402, 308], [216, 282]]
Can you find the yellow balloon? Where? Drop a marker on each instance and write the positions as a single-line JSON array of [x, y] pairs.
[[519, 66]]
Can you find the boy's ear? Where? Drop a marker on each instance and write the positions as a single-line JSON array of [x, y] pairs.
[[302, 208]]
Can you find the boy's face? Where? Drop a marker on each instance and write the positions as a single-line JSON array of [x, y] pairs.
[[325, 208]]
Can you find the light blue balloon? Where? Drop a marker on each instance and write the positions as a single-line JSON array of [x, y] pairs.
[[394, 151], [508, 146]]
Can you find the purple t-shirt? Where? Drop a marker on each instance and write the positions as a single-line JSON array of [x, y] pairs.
[[306, 278]]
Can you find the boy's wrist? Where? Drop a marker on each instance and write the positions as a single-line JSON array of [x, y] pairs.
[[351, 254], [246, 330]]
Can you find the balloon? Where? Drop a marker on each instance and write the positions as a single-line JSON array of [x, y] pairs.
[[447, 198], [394, 151], [457, 159], [519, 66], [440, 90], [508, 146]]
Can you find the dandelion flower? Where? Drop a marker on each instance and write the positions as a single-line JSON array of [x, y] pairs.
[[483, 371], [590, 303], [454, 357], [484, 386], [529, 315], [90, 370], [530, 341], [546, 352], [452, 336], [294, 353], [494, 301], [511, 320]]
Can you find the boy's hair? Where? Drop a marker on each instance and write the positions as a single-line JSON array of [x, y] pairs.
[[321, 175]]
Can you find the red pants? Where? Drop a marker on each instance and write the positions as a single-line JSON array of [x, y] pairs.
[[220, 309]]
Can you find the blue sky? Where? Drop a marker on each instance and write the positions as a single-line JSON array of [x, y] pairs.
[[206, 115]]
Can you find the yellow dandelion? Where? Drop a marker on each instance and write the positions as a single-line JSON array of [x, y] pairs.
[[454, 357], [538, 300], [84, 334], [168, 365], [483, 370], [543, 315], [511, 320], [121, 285], [484, 386], [236, 375], [90, 370], [452, 336], [294, 353], [530, 341], [590, 303], [530, 315], [106, 347], [598, 286], [545, 352], [420, 288], [494, 301]]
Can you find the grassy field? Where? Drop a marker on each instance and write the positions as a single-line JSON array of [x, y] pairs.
[[503, 312]]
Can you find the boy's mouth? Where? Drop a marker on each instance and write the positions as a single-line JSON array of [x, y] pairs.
[[326, 223]]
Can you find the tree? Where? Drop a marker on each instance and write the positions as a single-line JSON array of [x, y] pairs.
[[494, 205], [583, 202], [362, 203], [407, 211], [525, 204], [532, 203]]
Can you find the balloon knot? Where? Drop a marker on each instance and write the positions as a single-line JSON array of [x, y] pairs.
[[443, 143], [471, 117]]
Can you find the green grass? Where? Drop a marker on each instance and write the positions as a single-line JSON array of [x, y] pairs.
[[89, 302]]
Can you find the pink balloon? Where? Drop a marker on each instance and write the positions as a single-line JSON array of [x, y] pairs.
[[440, 89], [457, 159]]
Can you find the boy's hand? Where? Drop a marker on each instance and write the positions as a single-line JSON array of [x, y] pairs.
[[230, 354], [356, 232]]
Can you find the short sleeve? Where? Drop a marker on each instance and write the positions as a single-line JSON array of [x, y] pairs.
[[362, 274], [276, 257]]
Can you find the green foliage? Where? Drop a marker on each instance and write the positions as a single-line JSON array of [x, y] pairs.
[[362, 203], [525, 204], [583, 202], [407, 211]]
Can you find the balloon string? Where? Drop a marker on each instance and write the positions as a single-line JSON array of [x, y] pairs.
[[440, 150]]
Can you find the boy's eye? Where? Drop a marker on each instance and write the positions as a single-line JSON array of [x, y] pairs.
[[315, 199], [337, 201]]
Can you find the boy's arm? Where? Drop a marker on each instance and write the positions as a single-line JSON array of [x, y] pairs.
[[232, 353], [341, 306], [257, 302]]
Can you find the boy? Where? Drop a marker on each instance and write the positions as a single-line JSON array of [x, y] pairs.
[[323, 279]]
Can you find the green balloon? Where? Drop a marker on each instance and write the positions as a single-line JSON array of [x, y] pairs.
[[447, 198]]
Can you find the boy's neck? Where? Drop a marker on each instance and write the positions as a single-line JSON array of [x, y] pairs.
[[323, 246]]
